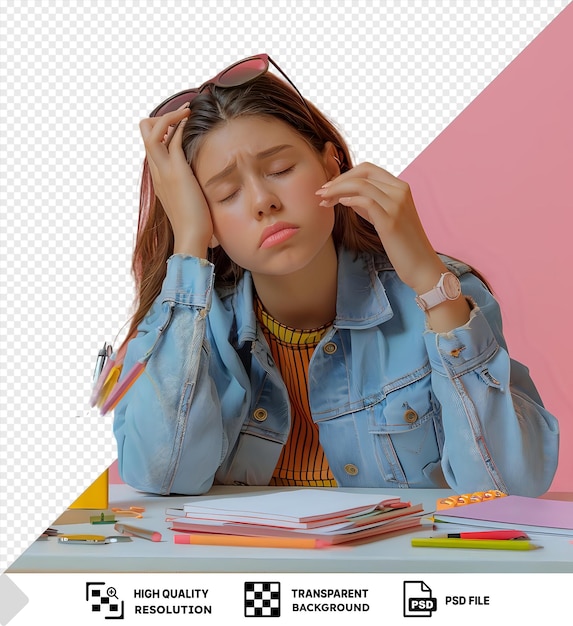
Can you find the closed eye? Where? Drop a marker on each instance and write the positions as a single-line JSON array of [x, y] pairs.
[[229, 197], [275, 174], [282, 172]]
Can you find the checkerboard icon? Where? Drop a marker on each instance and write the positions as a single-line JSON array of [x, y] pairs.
[[262, 599]]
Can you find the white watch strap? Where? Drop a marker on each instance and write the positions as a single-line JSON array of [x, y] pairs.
[[433, 297]]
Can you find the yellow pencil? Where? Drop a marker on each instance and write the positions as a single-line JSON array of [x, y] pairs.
[[477, 544], [204, 539]]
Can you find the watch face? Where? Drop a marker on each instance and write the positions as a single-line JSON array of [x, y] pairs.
[[451, 286]]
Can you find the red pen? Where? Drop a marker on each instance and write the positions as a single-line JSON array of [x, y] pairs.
[[489, 534]]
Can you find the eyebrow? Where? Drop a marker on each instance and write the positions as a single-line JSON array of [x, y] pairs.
[[260, 156]]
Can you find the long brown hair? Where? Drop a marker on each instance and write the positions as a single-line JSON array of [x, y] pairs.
[[266, 96]]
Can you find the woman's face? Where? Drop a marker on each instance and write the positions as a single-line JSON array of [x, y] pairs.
[[260, 177]]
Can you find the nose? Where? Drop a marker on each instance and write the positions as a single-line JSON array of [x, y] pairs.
[[264, 200]]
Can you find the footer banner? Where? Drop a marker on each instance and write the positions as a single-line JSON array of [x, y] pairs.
[[92, 599]]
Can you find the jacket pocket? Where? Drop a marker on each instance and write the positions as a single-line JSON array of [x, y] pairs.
[[406, 429]]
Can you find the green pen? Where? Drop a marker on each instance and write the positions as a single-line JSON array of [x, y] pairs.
[[477, 544]]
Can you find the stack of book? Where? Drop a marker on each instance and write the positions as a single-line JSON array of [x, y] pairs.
[[328, 516]]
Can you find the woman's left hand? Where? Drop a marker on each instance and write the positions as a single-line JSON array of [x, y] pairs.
[[387, 203]]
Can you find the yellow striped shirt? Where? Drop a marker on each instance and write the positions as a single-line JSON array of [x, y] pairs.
[[302, 461]]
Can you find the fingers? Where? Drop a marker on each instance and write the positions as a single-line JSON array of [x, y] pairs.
[[372, 192], [369, 171], [165, 164], [155, 131], [355, 186], [349, 190], [367, 181], [175, 136], [177, 129]]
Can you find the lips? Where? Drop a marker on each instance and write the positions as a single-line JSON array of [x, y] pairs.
[[277, 233]]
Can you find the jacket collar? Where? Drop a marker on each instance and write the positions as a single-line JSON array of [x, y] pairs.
[[361, 300]]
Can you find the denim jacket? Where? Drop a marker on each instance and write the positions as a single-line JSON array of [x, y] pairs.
[[396, 404]]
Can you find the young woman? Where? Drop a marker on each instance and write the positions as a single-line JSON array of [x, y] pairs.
[[294, 326]]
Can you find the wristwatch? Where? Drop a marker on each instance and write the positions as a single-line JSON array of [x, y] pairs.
[[448, 288]]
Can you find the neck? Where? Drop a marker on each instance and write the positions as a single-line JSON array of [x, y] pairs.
[[305, 299]]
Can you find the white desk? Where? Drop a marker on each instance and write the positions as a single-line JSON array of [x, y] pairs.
[[391, 554]]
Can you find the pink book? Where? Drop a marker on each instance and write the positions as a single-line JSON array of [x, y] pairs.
[[533, 514]]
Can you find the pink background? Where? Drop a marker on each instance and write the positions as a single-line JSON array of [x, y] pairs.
[[495, 189]]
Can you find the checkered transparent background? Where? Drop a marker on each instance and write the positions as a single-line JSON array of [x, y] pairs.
[[76, 79]]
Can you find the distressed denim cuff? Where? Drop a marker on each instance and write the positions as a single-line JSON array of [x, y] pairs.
[[189, 281], [463, 349]]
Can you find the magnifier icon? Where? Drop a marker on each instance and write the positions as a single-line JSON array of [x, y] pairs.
[[112, 593]]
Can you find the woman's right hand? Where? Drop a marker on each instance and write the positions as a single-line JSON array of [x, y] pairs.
[[175, 184]]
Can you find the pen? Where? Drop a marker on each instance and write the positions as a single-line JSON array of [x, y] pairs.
[[112, 398], [479, 544], [205, 539], [104, 376], [100, 362], [489, 534], [135, 531]]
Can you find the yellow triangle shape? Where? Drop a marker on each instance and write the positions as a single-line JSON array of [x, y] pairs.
[[95, 496]]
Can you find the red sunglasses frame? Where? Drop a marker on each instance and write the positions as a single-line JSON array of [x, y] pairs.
[[176, 100]]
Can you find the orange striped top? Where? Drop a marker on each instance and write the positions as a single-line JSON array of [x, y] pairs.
[[302, 461]]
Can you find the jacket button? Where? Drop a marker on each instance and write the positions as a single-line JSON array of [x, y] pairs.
[[330, 347], [260, 415], [351, 469], [410, 416]]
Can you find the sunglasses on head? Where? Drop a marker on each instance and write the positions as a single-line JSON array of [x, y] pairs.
[[235, 75]]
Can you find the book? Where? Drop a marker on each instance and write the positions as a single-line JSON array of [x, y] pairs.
[[298, 508], [328, 515], [339, 525], [521, 512], [326, 539]]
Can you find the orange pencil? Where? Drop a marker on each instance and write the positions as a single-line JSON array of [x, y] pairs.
[[248, 542]]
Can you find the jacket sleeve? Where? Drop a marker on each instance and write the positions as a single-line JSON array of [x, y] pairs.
[[497, 432], [168, 427]]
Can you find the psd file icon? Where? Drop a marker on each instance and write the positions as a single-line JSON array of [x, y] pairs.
[[418, 600]]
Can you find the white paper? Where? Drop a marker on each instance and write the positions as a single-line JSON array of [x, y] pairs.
[[298, 505]]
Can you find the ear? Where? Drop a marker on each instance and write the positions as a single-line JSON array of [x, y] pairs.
[[331, 160]]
